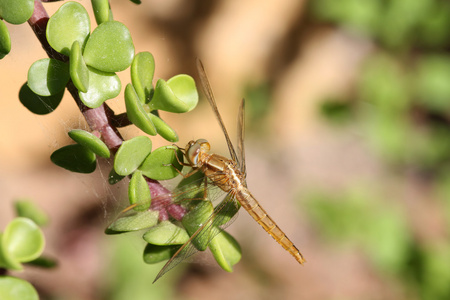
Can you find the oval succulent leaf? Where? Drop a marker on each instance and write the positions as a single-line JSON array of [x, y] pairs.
[[113, 177], [101, 10], [90, 141], [136, 112], [162, 163], [226, 250], [48, 76], [102, 86], [166, 233], [39, 105], [140, 220], [109, 48], [163, 129], [154, 254], [16, 11], [196, 218], [75, 158], [177, 95], [23, 239], [12, 288], [131, 154], [78, 69], [7, 260], [142, 70], [5, 40], [70, 23], [28, 209], [139, 192]]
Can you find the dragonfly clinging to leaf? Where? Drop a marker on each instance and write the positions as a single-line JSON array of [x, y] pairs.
[[220, 174], [229, 175]]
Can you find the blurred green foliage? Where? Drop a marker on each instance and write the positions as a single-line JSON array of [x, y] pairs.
[[350, 217], [403, 89], [128, 277], [401, 102], [380, 229]]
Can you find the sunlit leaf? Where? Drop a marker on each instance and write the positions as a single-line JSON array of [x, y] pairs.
[[70, 23]]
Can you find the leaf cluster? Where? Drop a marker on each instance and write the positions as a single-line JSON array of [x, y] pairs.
[[87, 65], [22, 241]]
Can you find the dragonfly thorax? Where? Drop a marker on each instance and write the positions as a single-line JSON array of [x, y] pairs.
[[193, 150]]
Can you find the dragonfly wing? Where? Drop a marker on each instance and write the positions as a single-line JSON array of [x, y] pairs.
[[210, 96], [222, 216], [241, 134], [183, 195]]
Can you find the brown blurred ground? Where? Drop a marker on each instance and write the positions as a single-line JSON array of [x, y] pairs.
[[240, 42]]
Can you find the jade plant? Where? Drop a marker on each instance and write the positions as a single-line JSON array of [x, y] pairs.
[[83, 59], [22, 241]]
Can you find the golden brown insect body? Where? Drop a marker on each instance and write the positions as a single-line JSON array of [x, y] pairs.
[[225, 174], [229, 175]]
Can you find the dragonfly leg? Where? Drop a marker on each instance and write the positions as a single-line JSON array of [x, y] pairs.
[[192, 172], [176, 156], [205, 192], [181, 163]]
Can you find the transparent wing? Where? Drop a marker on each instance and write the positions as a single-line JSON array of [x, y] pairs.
[[210, 96], [191, 192], [224, 214], [184, 195], [241, 134]]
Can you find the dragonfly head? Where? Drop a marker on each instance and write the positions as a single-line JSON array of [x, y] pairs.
[[193, 149]]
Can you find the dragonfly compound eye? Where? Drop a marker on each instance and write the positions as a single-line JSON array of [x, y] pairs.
[[192, 151]]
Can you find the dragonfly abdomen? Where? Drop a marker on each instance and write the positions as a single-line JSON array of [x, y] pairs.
[[255, 210]]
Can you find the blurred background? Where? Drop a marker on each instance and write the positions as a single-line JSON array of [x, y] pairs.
[[347, 146]]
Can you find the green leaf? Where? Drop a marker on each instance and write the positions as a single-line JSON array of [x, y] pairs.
[[162, 163], [432, 82], [113, 177], [102, 86], [154, 254], [16, 11], [226, 250], [196, 218], [5, 40], [48, 76], [101, 10], [23, 239], [139, 192], [28, 209], [90, 141], [177, 95], [110, 48], [39, 105], [12, 288], [131, 154], [78, 69], [136, 112], [383, 83], [140, 220], [7, 260], [43, 262], [166, 233], [163, 129], [227, 213], [75, 158], [142, 70], [70, 23]]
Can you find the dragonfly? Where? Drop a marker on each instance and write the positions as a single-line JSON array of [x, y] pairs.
[[229, 175]]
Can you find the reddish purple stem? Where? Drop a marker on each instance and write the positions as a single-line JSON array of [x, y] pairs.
[[162, 202]]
